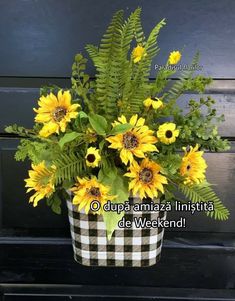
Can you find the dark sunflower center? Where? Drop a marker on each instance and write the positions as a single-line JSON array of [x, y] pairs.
[[146, 175], [95, 191], [59, 113], [169, 134], [188, 167], [130, 141], [90, 158]]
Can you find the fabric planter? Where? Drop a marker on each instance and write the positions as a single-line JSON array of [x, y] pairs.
[[128, 247]]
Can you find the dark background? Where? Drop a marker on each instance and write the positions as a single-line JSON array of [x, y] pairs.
[[39, 39]]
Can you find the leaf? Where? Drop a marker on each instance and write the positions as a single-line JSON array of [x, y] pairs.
[[121, 128], [204, 193], [118, 186], [68, 138], [98, 123], [55, 203]]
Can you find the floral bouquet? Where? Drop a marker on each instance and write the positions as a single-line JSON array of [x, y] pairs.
[[120, 135]]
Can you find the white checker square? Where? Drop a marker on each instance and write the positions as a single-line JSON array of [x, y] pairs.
[[119, 256], [101, 240], [119, 241], [136, 241], [136, 256], [102, 255], [84, 239], [84, 224]]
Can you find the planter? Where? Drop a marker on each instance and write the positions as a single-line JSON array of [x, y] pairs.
[[128, 247]]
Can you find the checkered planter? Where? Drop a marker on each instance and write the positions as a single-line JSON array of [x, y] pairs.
[[132, 247]]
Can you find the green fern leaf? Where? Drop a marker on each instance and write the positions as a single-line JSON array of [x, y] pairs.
[[204, 193], [68, 166]]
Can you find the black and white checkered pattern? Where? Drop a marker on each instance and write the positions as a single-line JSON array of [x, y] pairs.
[[129, 247]]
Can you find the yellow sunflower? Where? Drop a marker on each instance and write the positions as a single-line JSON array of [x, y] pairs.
[[147, 180], [134, 142], [167, 133], [41, 179], [55, 112], [138, 53], [155, 103], [174, 57], [88, 190], [193, 166], [92, 157]]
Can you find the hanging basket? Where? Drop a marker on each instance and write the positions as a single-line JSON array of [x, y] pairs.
[[128, 247]]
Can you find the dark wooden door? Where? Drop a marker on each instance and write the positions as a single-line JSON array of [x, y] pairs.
[[38, 42]]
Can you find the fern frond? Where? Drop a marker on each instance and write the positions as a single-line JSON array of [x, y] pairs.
[[68, 166], [204, 193], [108, 66], [93, 52], [178, 88], [141, 72]]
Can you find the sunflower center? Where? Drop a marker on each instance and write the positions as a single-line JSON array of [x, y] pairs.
[[146, 175], [169, 134], [90, 158], [59, 113], [188, 167], [130, 141], [94, 191]]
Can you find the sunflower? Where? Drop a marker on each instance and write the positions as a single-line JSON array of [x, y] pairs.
[[88, 190], [138, 53], [135, 142], [167, 133], [55, 112], [92, 157], [147, 180], [153, 102], [193, 166], [174, 57], [41, 179]]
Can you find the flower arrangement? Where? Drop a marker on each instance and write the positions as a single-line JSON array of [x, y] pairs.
[[121, 133]]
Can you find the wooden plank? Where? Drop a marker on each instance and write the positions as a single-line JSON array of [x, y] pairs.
[[41, 221], [188, 268], [16, 105], [39, 40]]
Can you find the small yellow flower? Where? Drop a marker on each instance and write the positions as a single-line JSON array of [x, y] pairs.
[[41, 179], [88, 190], [135, 142], [91, 135], [55, 112], [167, 133], [138, 53], [193, 166], [92, 157], [174, 57], [147, 180], [155, 103]]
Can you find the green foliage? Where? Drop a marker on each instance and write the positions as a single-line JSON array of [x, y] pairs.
[[179, 86], [68, 166], [111, 176], [80, 81], [68, 137], [140, 86], [36, 151], [120, 86], [120, 128], [200, 125], [18, 130], [98, 123], [54, 202], [204, 193]]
